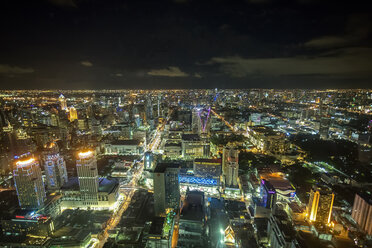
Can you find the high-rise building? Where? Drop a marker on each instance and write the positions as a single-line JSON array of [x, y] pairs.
[[62, 102], [319, 209], [166, 187], [324, 127], [29, 183], [72, 114], [362, 212], [268, 195], [230, 166], [149, 160], [54, 166], [86, 165]]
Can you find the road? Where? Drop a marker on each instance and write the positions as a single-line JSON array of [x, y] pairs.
[[128, 190]]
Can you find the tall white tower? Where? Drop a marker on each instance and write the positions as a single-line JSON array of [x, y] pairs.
[[86, 165], [230, 166], [29, 183]]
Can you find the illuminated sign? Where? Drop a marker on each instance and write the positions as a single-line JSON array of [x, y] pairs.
[[198, 180]]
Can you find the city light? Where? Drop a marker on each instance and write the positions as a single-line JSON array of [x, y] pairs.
[[87, 154], [25, 162]]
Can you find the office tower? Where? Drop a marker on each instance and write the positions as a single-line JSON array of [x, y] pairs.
[[148, 109], [268, 195], [324, 124], [62, 102], [86, 165], [230, 166], [54, 166], [166, 187], [28, 183], [149, 160], [362, 211], [72, 114], [320, 205], [159, 103]]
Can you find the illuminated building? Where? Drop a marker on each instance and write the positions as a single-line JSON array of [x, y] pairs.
[[192, 220], [62, 102], [320, 205], [267, 140], [54, 166], [124, 147], [149, 160], [86, 165], [268, 195], [362, 212], [324, 127], [107, 196], [72, 114], [193, 146], [166, 187], [29, 183], [229, 237], [230, 166]]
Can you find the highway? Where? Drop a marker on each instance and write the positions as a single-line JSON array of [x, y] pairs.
[[128, 190]]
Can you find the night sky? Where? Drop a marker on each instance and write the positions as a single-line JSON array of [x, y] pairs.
[[117, 44]]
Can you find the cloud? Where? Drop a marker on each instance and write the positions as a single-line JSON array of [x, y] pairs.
[[86, 63], [351, 62], [171, 71], [7, 69], [328, 42], [118, 74], [197, 75]]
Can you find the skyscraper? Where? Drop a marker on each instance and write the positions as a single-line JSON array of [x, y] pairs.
[[72, 114], [62, 102], [166, 187], [268, 195], [362, 212], [320, 205], [86, 165], [29, 183], [324, 127], [54, 166], [230, 166]]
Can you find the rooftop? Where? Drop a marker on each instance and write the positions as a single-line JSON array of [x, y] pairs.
[[193, 208], [105, 184]]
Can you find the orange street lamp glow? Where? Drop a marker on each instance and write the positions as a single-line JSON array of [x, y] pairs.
[[85, 154], [25, 162]]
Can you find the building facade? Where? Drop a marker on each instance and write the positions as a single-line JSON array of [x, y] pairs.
[[362, 212], [54, 166], [319, 209], [87, 172], [166, 187], [29, 183]]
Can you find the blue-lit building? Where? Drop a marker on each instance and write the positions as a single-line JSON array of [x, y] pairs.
[[149, 160], [54, 166], [268, 195]]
